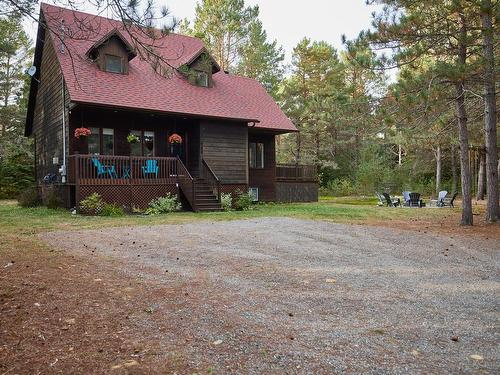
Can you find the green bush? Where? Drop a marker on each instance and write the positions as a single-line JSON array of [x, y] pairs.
[[226, 201], [29, 198], [50, 197], [112, 209], [162, 205], [92, 205], [243, 201], [341, 187]]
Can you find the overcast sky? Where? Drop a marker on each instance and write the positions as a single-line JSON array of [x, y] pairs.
[[288, 21]]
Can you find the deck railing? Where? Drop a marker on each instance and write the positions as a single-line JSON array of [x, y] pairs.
[[122, 170], [293, 172], [186, 183], [211, 179]]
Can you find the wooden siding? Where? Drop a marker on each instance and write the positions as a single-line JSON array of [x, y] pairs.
[[47, 119], [264, 178], [115, 47], [224, 148]]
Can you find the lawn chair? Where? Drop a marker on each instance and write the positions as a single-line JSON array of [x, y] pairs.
[[448, 201], [381, 199], [406, 198], [441, 197], [392, 202], [151, 167], [415, 200], [104, 170]]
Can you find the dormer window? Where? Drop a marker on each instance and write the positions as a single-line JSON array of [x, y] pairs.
[[113, 64], [202, 79]]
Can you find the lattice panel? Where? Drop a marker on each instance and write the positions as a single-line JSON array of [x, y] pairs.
[[127, 196], [227, 188]]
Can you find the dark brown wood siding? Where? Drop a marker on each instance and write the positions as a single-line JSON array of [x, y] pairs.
[[264, 178], [47, 119], [224, 148]]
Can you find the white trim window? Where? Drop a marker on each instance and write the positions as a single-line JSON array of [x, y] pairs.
[[256, 155]]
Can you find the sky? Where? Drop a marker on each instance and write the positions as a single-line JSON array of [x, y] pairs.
[[288, 21]]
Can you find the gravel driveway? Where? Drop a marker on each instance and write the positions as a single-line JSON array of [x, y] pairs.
[[279, 295]]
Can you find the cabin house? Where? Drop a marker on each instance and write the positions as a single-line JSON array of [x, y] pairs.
[[108, 117]]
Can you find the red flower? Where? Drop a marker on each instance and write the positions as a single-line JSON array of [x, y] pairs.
[[82, 132], [175, 138]]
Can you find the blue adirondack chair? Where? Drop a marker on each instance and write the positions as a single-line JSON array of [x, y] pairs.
[[406, 198], [151, 167], [104, 170]]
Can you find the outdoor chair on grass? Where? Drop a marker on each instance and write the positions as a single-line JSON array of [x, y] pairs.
[[406, 198], [392, 202], [449, 201], [151, 168], [415, 200], [104, 170], [439, 201], [381, 199]]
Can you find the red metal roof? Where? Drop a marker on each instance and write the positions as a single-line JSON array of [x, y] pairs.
[[231, 96]]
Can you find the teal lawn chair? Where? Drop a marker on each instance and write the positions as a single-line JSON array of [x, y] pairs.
[[151, 167], [104, 170]]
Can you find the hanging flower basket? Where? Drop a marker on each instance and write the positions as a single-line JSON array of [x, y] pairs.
[[132, 138], [175, 139], [82, 133]]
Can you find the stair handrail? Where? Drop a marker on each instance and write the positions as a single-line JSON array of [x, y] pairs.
[[186, 183], [212, 179]]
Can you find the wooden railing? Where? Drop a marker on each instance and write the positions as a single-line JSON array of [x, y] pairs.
[[122, 170], [292, 172], [186, 183], [212, 179]]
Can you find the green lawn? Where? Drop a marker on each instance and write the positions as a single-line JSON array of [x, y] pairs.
[[18, 220]]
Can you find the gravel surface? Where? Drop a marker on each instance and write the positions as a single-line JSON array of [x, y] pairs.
[[279, 295]]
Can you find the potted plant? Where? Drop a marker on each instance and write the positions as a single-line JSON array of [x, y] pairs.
[[132, 139], [82, 133], [175, 139]]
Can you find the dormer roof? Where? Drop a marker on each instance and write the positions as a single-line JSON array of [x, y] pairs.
[[93, 50]]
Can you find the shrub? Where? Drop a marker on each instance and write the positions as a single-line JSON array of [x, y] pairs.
[[341, 187], [226, 201], [162, 205], [50, 197], [112, 209], [29, 198], [92, 205], [243, 201]]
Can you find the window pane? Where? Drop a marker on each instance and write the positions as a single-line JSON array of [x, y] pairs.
[[108, 141], [202, 79], [113, 64], [260, 155], [136, 148], [252, 152], [149, 143], [94, 141]]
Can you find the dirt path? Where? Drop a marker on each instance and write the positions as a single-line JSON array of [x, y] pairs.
[[271, 295]]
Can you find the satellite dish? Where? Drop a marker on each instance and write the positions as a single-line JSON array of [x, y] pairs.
[[32, 71]]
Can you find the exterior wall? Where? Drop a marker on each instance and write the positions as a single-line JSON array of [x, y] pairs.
[[296, 191], [264, 178], [47, 119], [225, 149]]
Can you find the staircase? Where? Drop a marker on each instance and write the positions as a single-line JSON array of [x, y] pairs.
[[204, 197]]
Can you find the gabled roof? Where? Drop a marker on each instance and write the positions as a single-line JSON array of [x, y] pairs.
[[113, 33], [231, 97]]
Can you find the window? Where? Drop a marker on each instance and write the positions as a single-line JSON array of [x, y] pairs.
[[113, 64], [101, 141], [146, 144], [202, 79], [256, 155]]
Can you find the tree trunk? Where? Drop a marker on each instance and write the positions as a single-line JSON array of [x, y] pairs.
[[437, 154], [481, 177], [490, 118], [454, 182], [463, 133], [297, 148], [400, 155]]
